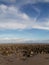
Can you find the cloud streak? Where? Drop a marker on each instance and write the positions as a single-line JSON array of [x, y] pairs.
[[15, 40]]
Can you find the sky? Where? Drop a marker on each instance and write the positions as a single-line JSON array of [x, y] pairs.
[[24, 20]]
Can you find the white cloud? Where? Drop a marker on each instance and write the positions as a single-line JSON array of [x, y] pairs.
[[14, 40], [40, 27], [11, 10], [12, 18], [12, 25]]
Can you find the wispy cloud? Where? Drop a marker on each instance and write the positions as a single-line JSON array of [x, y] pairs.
[[21, 40], [12, 18], [22, 2], [15, 40]]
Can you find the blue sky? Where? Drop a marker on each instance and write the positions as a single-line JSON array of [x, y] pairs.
[[24, 20]]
